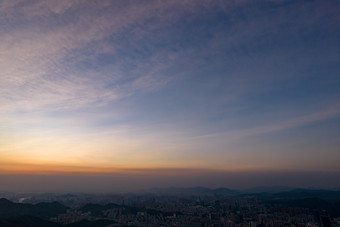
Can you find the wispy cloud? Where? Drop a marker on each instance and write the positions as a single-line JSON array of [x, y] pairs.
[[34, 72], [46, 49], [296, 122]]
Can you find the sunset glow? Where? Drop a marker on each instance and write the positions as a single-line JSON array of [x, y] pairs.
[[170, 88]]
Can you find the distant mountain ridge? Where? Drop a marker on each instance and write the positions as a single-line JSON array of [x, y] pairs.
[[280, 190], [193, 190]]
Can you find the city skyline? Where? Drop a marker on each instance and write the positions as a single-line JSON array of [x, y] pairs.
[[178, 93]]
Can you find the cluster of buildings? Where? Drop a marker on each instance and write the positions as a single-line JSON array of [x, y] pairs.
[[202, 211]]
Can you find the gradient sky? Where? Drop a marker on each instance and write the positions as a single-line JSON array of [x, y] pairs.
[[171, 88]]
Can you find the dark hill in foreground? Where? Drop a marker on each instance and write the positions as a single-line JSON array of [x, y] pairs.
[[31, 221], [309, 193], [9, 209], [86, 223], [27, 221]]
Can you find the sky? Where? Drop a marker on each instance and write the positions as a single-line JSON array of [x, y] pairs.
[[137, 94]]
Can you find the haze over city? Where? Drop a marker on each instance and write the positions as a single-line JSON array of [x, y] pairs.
[[112, 96]]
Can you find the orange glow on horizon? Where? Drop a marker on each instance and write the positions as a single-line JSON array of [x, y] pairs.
[[62, 169], [69, 169]]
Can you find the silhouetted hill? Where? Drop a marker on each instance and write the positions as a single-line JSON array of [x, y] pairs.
[[296, 194], [27, 221], [42, 210], [312, 203], [314, 200], [309, 193], [4, 202], [225, 191], [31, 221]]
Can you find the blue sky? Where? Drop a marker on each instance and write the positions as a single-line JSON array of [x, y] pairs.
[[208, 85]]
